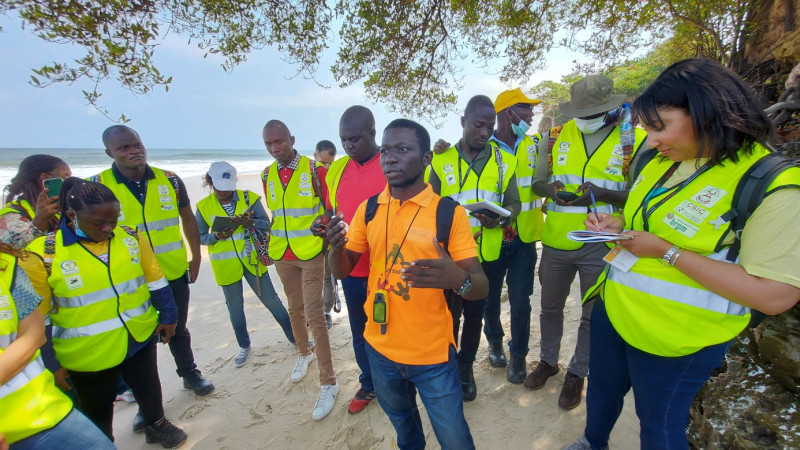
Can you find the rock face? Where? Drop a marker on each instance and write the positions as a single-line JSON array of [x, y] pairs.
[[753, 402]]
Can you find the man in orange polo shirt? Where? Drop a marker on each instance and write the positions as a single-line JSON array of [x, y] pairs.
[[409, 330]]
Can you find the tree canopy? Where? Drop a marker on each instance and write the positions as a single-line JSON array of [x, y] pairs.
[[408, 54]]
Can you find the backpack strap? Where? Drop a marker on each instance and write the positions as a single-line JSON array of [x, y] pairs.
[[749, 193], [317, 184], [372, 207], [498, 159], [49, 251], [444, 221]]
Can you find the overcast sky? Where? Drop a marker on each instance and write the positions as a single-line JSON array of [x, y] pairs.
[[205, 108]]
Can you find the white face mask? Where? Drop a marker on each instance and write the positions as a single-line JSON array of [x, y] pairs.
[[589, 126]]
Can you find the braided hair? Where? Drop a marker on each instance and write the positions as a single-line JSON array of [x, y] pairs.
[[77, 194], [25, 184]]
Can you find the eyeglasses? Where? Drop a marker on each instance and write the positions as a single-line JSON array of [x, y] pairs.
[[524, 106]]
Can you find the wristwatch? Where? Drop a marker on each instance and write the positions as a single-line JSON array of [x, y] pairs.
[[466, 286]]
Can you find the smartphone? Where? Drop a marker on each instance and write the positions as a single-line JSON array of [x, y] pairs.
[[53, 186], [567, 196], [486, 212]]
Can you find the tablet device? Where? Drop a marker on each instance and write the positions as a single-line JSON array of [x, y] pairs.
[[222, 222]]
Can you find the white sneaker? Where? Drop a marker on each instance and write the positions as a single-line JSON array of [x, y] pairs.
[[301, 367], [325, 401], [126, 396], [242, 358]]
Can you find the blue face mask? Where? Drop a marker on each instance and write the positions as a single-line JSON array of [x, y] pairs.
[[522, 128], [78, 230]]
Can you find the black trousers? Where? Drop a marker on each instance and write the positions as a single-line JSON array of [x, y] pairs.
[[97, 390], [181, 344], [472, 311]]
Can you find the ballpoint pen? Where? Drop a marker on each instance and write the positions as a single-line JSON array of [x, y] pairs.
[[594, 205]]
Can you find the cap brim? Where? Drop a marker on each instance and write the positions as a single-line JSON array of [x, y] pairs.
[[568, 111], [224, 184]]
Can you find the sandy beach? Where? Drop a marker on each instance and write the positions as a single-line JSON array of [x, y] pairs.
[[257, 406]]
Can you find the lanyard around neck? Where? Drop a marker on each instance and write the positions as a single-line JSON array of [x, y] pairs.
[[386, 243], [647, 210]]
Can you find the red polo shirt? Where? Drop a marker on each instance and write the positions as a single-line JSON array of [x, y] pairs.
[[359, 182]]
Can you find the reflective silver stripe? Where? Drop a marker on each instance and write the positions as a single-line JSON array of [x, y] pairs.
[[524, 182], [7, 339], [88, 330], [600, 182], [296, 212], [555, 207], [136, 312], [168, 247], [470, 196], [31, 371], [126, 287], [291, 234], [530, 206], [158, 225], [238, 236], [223, 255], [687, 295], [608, 184], [567, 179]]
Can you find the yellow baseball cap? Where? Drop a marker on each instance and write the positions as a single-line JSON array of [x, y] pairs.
[[512, 97]]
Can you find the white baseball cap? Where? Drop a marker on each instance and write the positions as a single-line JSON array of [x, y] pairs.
[[223, 176]]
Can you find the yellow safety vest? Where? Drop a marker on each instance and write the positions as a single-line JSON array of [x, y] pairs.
[[530, 220], [655, 307], [30, 402], [229, 256], [96, 306], [22, 203], [333, 178], [572, 167], [293, 211], [446, 165], [159, 219]]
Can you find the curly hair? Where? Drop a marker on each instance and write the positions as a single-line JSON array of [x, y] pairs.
[[726, 115], [77, 194], [25, 183]]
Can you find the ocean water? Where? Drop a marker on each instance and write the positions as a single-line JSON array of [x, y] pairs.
[[189, 164]]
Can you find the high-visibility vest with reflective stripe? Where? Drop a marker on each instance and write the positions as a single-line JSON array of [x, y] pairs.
[[30, 402], [228, 256], [22, 203], [159, 219], [475, 189], [572, 167], [96, 306], [530, 220], [333, 177], [293, 211], [655, 307]]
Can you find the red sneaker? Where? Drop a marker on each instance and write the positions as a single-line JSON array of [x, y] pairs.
[[360, 401]]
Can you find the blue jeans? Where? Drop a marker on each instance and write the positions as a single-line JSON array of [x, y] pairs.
[[355, 294], [263, 288], [74, 432], [663, 387], [396, 387], [516, 264]]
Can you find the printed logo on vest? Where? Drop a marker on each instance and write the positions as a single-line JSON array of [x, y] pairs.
[[447, 168], [450, 179], [305, 185], [69, 267], [163, 190], [618, 151], [165, 199], [135, 260], [615, 162], [304, 177], [121, 216], [6, 315], [168, 207], [692, 212], [680, 225], [129, 241], [613, 170], [304, 193], [4, 301], [272, 190], [563, 147], [74, 282], [709, 196], [532, 149], [562, 160]]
